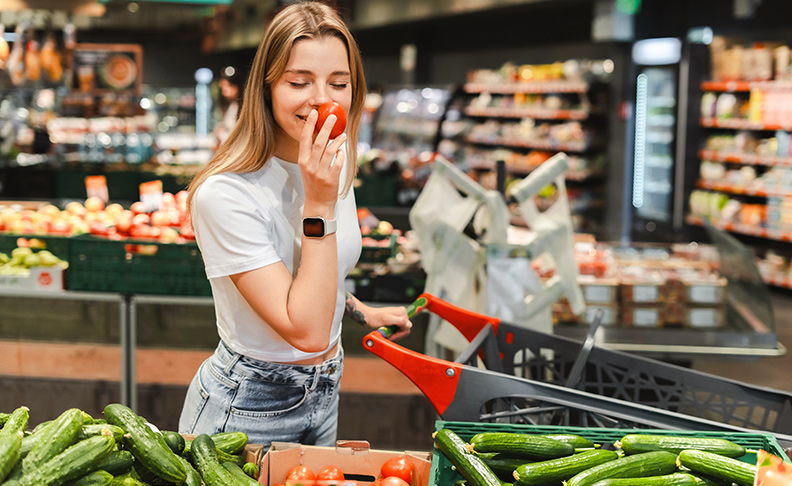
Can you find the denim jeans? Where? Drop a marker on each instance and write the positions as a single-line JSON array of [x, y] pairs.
[[268, 401]]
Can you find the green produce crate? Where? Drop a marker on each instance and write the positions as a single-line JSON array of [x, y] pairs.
[[136, 266], [442, 472], [57, 245], [380, 254]]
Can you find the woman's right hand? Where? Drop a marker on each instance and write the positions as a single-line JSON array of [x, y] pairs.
[[320, 160]]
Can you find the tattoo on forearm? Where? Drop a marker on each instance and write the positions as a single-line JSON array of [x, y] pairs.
[[351, 310]]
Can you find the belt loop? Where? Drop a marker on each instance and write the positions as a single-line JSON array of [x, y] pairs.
[[317, 373], [230, 365]]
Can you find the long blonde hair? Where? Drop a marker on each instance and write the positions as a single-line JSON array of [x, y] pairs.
[[252, 142]]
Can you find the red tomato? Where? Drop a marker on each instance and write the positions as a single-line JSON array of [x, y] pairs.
[[393, 481], [332, 473], [399, 467], [332, 108], [301, 473]]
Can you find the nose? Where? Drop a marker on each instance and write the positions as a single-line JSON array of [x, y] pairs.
[[319, 95]]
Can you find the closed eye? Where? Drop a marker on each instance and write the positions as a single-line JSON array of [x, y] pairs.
[[298, 85]]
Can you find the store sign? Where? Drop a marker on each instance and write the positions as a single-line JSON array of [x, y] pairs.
[[99, 68]]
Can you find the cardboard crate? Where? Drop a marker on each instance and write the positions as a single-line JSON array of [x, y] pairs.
[[443, 474], [48, 279], [359, 462]]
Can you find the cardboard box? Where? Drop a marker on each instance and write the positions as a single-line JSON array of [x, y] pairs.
[[359, 462], [38, 279]]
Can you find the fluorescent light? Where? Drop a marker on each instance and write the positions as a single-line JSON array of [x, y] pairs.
[[657, 52]]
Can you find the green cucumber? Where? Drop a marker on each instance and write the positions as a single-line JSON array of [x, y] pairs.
[[717, 466], [240, 476], [10, 445], [503, 465], [655, 463], [117, 462], [637, 443], [3, 418], [204, 457], [96, 478], [251, 469], [90, 430], [59, 435], [174, 440], [237, 459], [576, 441], [469, 465], [73, 463], [523, 445], [193, 476], [127, 479], [673, 479], [553, 471], [147, 446], [230, 442], [17, 422]]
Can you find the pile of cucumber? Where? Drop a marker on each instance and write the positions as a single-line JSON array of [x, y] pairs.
[[121, 449], [501, 459]]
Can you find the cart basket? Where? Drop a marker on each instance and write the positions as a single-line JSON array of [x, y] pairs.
[[527, 381]]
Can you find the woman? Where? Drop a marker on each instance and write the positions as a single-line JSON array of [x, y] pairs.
[[278, 293], [230, 87]]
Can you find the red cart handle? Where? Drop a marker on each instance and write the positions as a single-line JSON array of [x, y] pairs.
[[467, 322], [437, 378]]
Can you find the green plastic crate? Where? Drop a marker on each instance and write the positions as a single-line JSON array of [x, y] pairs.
[[380, 254], [442, 472], [137, 267]]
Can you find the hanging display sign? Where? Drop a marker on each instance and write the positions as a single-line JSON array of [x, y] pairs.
[[98, 68]]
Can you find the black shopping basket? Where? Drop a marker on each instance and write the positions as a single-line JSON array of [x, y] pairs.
[[527, 380]]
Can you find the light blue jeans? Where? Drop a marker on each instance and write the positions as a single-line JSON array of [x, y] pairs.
[[268, 401]]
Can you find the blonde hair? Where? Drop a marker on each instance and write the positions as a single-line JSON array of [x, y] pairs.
[[252, 142]]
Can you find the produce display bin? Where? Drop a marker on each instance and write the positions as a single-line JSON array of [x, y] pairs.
[[532, 377], [380, 254], [57, 245], [442, 471], [136, 266]]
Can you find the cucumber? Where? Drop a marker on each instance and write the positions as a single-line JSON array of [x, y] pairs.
[[503, 465], [59, 435], [230, 442], [10, 445], [251, 469], [147, 446], [174, 440], [204, 457], [717, 466], [3, 418], [576, 441], [636, 443], [237, 459], [553, 471], [673, 479], [17, 421], [73, 463], [523, 445], [193, 476], [242, 479], [96, 478], [127, 479], [117, 462], [655, 463], [469, 465], [90, 430]]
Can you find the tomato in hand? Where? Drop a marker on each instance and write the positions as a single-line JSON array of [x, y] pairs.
[[331, 473], [332, 108], [393, 481], [304, 474], [399, 467]]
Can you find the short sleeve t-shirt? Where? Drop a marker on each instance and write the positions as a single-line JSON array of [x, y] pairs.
[[247, 221]]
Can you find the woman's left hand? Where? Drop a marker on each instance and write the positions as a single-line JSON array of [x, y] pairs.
[[377, 317]]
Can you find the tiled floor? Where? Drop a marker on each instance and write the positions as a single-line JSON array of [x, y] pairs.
[[773, 372]]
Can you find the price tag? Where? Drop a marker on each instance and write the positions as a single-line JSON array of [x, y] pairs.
[[96, 186], [703, 318], [646, 317], [597, 294], [645, 293], [151, 195], [704, 294]]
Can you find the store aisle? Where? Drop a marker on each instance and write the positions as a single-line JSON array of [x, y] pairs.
[[775, 372]]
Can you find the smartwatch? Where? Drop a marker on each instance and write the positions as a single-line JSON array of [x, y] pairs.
[[316, 227]]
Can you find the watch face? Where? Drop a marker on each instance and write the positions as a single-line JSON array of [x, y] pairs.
[[313, 227]]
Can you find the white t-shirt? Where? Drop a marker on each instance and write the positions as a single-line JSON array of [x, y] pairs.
[[247, 221]]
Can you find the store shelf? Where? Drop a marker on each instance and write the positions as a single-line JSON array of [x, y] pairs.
[[745, 86], [742, 190], [527, 112], [528, 87], [533, 144], [742, 124], [743, 229], [745, 158]]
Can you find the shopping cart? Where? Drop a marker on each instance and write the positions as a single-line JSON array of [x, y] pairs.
[[511, 374]]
